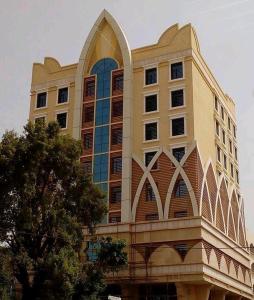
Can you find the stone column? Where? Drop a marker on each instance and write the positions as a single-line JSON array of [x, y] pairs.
[[193, 292]]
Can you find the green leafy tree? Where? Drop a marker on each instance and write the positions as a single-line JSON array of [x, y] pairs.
[[46, 200]]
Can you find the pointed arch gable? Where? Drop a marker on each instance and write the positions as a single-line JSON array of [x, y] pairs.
[[83, 65]]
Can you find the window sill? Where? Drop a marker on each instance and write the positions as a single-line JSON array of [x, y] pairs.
[[150, 141], [176, 107]]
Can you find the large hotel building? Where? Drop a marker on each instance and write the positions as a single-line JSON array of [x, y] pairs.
[[159, 138]]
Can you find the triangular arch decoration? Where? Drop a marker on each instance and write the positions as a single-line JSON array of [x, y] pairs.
[[194, 170], [219, 217], [231, 226], [212, 186], [206, 209], [235, 211], [163, 175], [224, 199]]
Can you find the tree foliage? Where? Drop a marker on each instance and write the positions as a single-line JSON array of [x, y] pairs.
[[46, 200]]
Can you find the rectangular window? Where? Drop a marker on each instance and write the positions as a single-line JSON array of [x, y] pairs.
[[148, 157], [217, 128], [151, 217], [90, 88], [150, 196], [230, 146], [151, 131], [236, 154], [89, 114], [87, 167], [151, 76], [115, 193], [180, 189], [117, 109], [234, 131], [237, 176], [229, 123], [218, 153], [115, 219], [41, 100], [116, 165], [116, 136], [118, 82], [223, 137], [178, 153], [40, 120], [176, 70], [62, 95], [177, 98], [62, 120], [151, 103], [178, 126], [222, 113], [216, 104], [180, 214], [232, 169], [88, 141], [102, 115], [225, 161]]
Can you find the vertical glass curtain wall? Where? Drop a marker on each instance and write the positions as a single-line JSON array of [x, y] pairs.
[[102, 69]]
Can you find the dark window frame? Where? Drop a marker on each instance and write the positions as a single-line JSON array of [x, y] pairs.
[[150, 134], [149, 159], [116, 164], [176, 73], [88, 140], [62, 101], [151, 78], [116, 136], [151, 97], [66, 119], [150, 195], [115, 194], [176, 131], [117, 108], [41, 105], [180, 189], [177, 98], [181, 153]]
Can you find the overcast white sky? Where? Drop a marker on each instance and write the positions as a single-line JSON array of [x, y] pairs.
[[33, 29]]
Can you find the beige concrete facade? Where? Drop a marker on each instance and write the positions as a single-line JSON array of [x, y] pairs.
[[182, 218]]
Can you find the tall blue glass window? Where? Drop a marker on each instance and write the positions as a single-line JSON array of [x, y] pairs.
[[102, 69]]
